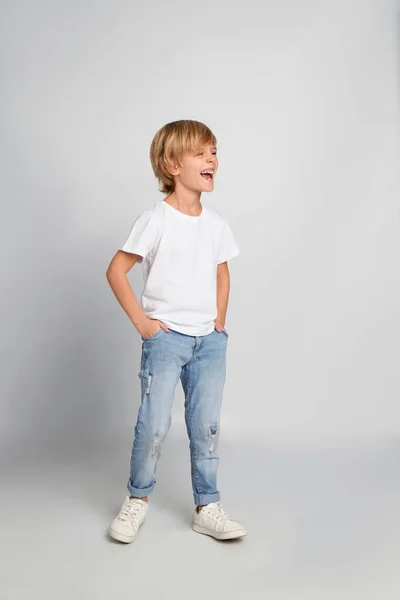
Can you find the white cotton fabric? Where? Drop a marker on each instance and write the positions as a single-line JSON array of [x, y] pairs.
[[180, 254]]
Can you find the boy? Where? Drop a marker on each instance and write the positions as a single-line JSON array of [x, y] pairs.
[[184, 248]]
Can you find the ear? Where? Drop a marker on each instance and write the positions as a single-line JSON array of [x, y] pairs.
[[172, 168]]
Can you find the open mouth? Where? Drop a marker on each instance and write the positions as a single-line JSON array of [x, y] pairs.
[[208, 175]]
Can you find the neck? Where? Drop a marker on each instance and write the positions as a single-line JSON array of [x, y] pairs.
[[186, 201]]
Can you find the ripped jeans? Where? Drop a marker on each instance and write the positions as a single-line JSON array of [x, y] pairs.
[[200, 363]]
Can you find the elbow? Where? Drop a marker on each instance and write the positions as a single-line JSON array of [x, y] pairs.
[[111, 272], [114, 272]]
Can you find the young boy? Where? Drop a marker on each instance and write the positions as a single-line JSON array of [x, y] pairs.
[[184, 248]]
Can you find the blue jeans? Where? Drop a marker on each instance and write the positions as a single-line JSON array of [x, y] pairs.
[[200, 363]]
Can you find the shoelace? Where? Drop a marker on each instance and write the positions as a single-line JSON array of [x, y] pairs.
[[129, 511], [217, 512]]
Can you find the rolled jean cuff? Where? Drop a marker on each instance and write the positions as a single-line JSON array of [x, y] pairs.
[[140, 492], [202, 499]]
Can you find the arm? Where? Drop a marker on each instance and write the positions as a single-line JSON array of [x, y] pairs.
[[223, 287], [119, 266]]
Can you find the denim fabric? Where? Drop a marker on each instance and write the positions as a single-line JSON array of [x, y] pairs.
[[200, 363]]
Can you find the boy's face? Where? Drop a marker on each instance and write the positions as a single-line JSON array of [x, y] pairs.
[[189, 175]]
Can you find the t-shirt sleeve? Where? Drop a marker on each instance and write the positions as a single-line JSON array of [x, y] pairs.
[[228, 247], [143, 234]]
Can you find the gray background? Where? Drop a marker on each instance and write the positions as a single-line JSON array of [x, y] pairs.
[[304, 100]]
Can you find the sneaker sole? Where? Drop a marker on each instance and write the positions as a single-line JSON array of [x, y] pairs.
[[120, 537], [228, 535]]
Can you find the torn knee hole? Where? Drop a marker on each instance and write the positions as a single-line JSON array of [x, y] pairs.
[[156, 445], [213, 435], [149, 380]]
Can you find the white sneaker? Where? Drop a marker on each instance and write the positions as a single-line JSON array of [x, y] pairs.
[[213, 520], [125, 526]]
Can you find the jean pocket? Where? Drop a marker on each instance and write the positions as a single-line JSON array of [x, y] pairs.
[[224, 332], [151, 337]]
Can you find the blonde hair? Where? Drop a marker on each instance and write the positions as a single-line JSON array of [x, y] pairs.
[[171, 142]]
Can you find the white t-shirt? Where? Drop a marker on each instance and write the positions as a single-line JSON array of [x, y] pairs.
[[180, 254]]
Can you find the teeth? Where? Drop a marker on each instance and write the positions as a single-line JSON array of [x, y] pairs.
[[208, 171]]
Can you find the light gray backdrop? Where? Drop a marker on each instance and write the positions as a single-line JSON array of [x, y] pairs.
[[304, 100]]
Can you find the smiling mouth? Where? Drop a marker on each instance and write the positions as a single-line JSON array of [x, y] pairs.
[[208, 175]]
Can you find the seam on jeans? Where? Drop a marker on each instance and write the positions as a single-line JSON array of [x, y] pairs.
[[187, 408], [193, 440]]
